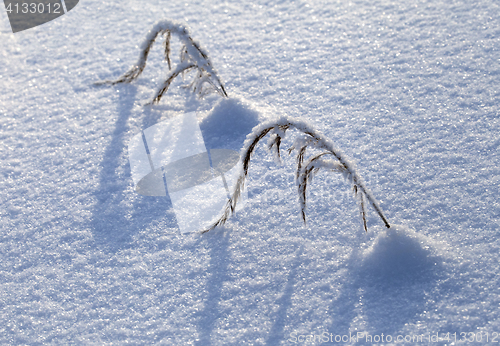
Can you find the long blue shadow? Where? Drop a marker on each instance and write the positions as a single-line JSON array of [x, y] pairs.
[[218, 242], [277, 332], [114, 222]]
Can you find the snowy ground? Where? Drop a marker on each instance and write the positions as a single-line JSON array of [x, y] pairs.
[[408, 90]]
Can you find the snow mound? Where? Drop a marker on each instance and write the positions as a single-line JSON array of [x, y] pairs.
[[400, 253], [394, 276], [227, 124]]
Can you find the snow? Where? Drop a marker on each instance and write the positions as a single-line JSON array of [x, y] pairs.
[[407, 90]]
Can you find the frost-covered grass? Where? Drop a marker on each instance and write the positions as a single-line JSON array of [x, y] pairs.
[[408, 90], [329, 158], [192, 56]]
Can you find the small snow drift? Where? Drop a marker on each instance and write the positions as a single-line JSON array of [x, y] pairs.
[[228, 123], [394, 276], [399, 253]]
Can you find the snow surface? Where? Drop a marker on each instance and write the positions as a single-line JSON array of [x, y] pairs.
[[409, 91]]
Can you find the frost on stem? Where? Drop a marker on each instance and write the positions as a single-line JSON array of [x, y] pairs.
[[330, 158], [192, 58]]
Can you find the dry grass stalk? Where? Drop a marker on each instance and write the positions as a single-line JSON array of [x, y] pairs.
[[329, 159], [192, 58]]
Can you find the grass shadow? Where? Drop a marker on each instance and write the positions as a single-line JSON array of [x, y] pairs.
[[277, 332], [115, 218], [218, 243]]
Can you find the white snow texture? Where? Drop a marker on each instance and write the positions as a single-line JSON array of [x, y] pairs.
[[408, 90]]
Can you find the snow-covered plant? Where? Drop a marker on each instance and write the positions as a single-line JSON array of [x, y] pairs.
[[192, 58], [329, 158]]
